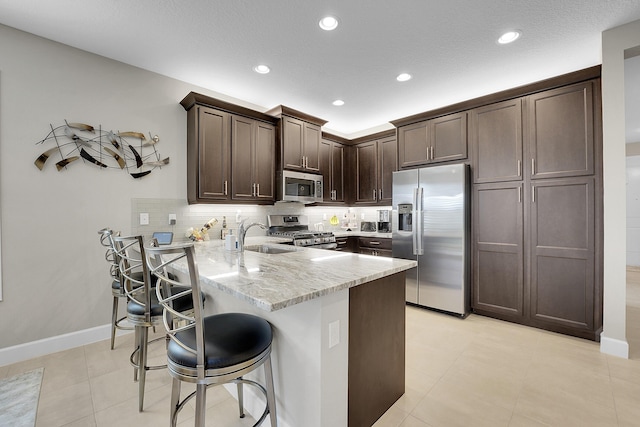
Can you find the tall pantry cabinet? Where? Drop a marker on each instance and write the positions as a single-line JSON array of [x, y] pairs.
[[537, 209]]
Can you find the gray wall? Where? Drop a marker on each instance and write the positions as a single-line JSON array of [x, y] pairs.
[[54, 273]]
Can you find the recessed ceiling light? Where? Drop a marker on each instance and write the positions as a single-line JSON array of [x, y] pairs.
[[403, 77], [328, 23], [509, 37], [338, 102], [262, 69]]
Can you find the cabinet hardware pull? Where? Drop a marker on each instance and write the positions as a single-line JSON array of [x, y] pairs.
[[258, 190], [374, 243], [380, 194], [533, 167], [374, 194], [533, 194], [519, 167], [225, 187], [432, 152], [253, 189], [519, 194]]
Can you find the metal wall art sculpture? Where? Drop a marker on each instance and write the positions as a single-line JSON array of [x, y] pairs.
[[102, 149]]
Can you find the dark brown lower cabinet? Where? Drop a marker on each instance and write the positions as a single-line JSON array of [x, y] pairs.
[[563, 255], [498, 250], [551, 282]]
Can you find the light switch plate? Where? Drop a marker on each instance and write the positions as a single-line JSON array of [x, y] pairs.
[[144, 219]]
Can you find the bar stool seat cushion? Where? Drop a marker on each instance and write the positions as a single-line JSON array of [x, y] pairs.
[[229, 339]]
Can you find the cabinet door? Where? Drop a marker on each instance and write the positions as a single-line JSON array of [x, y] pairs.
[[325, 167], [337, 171], [561, 132], [562, 253], [366, 173], [448, 137], [413, 148], [242, 142], [293, 131], [496, 137], [498, 259], [312, 137], [213, 154], [388, 163], [265, 165]]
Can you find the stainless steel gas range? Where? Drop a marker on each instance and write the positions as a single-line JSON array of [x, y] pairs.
[[296, 227]]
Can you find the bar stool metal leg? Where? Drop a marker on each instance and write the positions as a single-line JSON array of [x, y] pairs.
[[240, 399], [114, 321], [271, 393]]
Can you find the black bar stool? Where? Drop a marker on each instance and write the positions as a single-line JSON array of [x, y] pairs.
[[209, 350]]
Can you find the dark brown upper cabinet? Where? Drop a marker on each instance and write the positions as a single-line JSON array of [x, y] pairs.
[[253, 160], [431, 141], [495, 135], [332, 165], [208, 149], [230, 152], [560, 134], [298, 139], [375, 162]]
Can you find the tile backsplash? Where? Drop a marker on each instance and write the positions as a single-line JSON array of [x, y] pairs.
[[197, 215]]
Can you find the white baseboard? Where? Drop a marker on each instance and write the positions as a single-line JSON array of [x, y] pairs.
[[614, 347], [55, 344]]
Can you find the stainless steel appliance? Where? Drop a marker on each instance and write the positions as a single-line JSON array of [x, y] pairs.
[[296, 227], [431, 225], [384, 221], [299, 187]]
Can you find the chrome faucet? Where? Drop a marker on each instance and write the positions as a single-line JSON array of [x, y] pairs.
[[242, 231]]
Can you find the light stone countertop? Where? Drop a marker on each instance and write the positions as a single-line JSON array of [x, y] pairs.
[[275, 281]]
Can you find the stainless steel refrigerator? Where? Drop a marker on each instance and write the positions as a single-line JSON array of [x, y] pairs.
[[431, 225]]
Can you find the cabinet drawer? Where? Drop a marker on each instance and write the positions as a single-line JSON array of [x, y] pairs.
[[375, 243]]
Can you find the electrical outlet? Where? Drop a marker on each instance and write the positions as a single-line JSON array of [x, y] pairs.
[[172, 219], [144, 219]]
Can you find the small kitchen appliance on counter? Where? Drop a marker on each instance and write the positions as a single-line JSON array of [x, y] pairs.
[[296, 227], [384, 221], [368, 226]]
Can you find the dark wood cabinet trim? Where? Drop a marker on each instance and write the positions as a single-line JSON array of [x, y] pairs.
[[335, 138], [194, 98], [282, 110], [378, 135]]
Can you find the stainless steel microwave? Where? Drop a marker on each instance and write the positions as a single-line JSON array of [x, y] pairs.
[[299, 187]]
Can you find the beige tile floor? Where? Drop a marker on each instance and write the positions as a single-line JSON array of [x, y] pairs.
[[477, 371]]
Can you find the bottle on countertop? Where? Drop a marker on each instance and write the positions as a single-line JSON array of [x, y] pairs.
[[225, 231]]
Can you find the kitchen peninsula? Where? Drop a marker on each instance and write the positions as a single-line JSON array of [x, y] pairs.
[[338, 321]]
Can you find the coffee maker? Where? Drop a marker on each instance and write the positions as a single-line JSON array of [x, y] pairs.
[[384, 221]]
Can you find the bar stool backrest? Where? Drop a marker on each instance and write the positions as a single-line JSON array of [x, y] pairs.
[[160, 261], [134, 274], [111, 256]]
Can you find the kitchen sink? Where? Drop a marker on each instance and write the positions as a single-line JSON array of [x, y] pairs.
[[270, 249]]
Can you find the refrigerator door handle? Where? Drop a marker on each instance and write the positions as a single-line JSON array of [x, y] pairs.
[[414, 217], [417, 222]]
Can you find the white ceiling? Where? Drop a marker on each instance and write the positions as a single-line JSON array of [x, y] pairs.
[[449, 46]]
